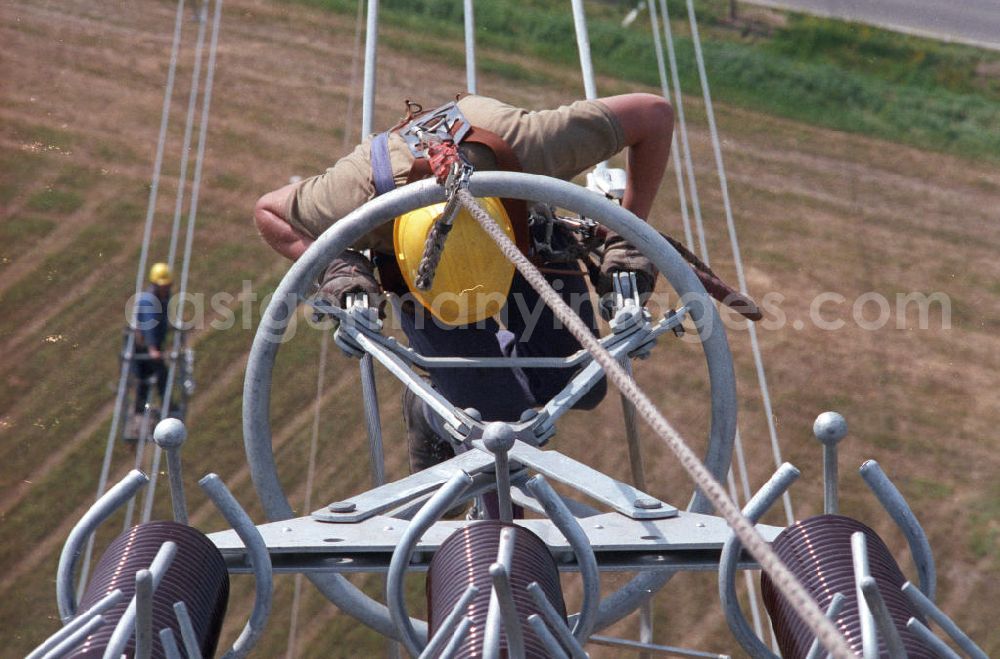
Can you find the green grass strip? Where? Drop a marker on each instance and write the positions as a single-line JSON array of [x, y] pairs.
[[825, 72]]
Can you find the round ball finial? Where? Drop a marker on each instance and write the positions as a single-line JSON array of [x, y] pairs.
[[170, 433], [498, 437], [830, 428]]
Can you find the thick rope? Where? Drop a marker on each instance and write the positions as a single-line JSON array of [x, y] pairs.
[[785, 581]]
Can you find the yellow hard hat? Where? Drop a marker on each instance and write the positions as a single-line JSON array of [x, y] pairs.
[[472, 279], [160, 275]]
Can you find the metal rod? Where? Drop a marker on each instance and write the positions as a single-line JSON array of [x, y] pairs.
[[869, 632], [498, 610], [76, 623], [668, 650], [639, 481], [545, 636], [103, 508], [73, 640], [883, 619], [395, 365], [587, 562], [143, 614], [260, 559], [556, 624], [448, 626], [442, 500], [678, 156], [500, 574], [837, 603], [170, 435], [499, 439], [126, 624], [457, 638], [169, 644], [583, 46], [931, 610], [140, 454], [830, 498], [938, 647], [369, 395], [748, 576], [371, 48], [894, 503], [508, 610], [470, 47], [829, 429], [759, 504], [188, 636]]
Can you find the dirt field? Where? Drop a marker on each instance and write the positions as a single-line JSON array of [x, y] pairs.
[[818, 213]]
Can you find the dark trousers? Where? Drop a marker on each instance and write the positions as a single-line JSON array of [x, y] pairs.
[[529, 330], [145, 369]]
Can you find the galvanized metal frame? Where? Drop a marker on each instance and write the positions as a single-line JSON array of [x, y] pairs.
[[256, 413]]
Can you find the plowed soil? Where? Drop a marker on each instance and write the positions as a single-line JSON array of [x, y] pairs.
[[834, 228]]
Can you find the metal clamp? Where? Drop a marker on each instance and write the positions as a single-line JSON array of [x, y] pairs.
[[446, 123]]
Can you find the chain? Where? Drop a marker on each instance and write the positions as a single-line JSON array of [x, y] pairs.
[[457, 179]]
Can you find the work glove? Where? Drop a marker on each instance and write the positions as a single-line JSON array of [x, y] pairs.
[[351, 273], [620, 256]]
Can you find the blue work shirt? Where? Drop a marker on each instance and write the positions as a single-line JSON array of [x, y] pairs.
[[151, 319]]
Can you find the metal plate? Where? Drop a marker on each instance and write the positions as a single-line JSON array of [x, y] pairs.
[[586, 480], [395, 494], [686, 541]]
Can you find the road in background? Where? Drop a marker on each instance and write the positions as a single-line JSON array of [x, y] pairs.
[[975, 22]]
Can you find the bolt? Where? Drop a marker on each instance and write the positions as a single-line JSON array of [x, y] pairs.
[[343, 507], [474, 414], [646, 503]]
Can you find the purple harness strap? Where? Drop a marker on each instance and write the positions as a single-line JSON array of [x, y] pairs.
[[381, 165]]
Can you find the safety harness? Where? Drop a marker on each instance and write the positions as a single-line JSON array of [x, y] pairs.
[[434, 137]]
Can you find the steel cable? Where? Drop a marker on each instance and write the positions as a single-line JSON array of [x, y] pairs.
[[735, 246], [189, 241], [782, 578], [174, 232], [324, 345], [168, 93], [703, 245], [310, 478]]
